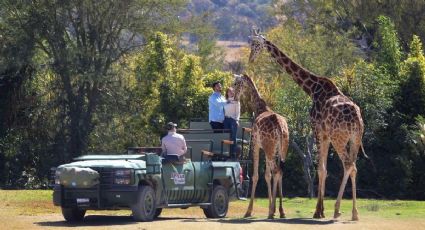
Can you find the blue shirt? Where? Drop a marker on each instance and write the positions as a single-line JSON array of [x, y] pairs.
[[216, 104]]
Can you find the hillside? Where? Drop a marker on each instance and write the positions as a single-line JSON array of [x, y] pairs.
[[234, 18]]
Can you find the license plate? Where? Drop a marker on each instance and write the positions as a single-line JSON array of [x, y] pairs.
[[83, 200]]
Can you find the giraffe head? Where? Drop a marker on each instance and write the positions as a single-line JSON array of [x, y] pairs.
[[257, 43], [238, 86]]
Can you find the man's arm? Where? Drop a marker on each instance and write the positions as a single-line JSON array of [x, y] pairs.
[[164, 149], [184, 145], [216, 101]]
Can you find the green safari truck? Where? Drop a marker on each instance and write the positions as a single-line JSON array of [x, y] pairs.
[[141, 182]]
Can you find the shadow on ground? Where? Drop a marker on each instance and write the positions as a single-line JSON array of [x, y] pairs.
[[306, 221], [102, 220]]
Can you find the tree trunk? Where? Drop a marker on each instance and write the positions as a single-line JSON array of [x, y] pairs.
[[307, 164]]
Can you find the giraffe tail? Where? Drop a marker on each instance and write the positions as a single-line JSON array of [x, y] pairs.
[[364, 152]]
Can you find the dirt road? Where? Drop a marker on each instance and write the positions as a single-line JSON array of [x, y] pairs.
[[193, 219]]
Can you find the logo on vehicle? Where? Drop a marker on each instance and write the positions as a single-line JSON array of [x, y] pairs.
[[178, 178]]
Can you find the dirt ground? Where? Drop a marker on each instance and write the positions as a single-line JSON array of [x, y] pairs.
[[193, 219]]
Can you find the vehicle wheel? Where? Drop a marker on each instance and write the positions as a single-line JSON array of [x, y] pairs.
[[158, 212], [219, 203], [145, 208], [73, 214]]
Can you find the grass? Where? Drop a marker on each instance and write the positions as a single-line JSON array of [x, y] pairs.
[[303, 207], [39, 202]]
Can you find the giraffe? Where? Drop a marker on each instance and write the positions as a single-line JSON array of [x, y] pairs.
[[334, 117], [269, 132]]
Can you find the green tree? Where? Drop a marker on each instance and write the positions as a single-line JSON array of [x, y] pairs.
[[83, 38], [389, 53], [410, 100]]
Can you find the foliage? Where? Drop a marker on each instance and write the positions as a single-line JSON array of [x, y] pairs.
[[389, 53], [358, 18], [160, 84], [233, 19], [76, 43]]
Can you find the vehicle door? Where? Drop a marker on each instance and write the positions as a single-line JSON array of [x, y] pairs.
[[178, 179], [203, 181]]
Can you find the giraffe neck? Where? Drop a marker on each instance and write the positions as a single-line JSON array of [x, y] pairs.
[[258, 102], [309, 82]]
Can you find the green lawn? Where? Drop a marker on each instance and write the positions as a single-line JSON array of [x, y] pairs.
[[35, 202], [303, 207]]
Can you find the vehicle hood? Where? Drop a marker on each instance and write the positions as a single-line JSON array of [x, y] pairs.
[[133, 164]]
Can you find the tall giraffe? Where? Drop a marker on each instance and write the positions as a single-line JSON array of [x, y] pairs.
[[269, 132], [334, 117]]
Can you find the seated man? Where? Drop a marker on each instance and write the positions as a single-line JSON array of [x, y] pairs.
[[173, 144]]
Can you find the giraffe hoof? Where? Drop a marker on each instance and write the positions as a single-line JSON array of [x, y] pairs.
[[247, 215], [317, 216], [355, 218], [337, 215], [282, 215], [270, 217]]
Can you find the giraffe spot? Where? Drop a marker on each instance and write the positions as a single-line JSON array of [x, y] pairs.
[[313, 78], [325, 113], [288, 70], [308, 82], [285, 59], [299, 80], [268, 48], [322, 96], [327, 86], [316, 88], [347, 118], [307, 89], [303, 74], [294, 66]]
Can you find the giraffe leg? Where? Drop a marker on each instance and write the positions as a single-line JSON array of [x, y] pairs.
[[255, 157], [355, 214], [279, 187], [268, 178], [354, 149], [323, 146], [347, 172], [340, 148]]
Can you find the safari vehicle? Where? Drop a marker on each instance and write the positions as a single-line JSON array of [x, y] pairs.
[[141, 182]]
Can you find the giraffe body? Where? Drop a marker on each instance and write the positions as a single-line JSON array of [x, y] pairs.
[[270, 133], [334, 117]]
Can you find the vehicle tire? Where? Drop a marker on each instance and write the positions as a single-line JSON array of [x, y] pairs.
[[158, 212], [145, 208], [73, 214], [219, 203]]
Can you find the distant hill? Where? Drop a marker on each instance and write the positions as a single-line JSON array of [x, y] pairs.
[[234, 18]]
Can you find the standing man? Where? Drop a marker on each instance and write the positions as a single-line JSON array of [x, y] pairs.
[[173, 145], [216, 104]]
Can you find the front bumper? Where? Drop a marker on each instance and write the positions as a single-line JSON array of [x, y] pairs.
[[99, 197]]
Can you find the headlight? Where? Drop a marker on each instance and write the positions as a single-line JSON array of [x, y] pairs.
[[123, 176], [123, 172]]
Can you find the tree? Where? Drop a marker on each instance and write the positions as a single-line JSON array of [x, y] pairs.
[[410, 100], [83, 38], [388, 54]]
